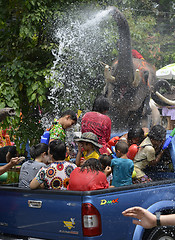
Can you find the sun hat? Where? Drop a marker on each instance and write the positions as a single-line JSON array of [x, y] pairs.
[[89, 137]]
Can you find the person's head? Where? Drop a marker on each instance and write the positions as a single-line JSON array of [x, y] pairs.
[[101, 104], [105, 160], [68, 119], [135, 136], [11, 152], [157, 135], [92, 164], [87, 146], [89, 140], [121, 148], [57, 150], [39, 152]]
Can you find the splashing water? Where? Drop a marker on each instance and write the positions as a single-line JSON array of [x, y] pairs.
[[96, 19], [83, 41]]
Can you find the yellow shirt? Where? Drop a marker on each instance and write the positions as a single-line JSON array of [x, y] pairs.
[[94, 154]]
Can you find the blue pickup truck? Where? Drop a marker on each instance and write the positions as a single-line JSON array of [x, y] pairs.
[[49, 214]]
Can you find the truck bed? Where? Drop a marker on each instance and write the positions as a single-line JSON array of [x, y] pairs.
[[50, 214]]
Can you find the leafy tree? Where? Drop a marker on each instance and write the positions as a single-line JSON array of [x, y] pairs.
[[25, 61], [26, 44]]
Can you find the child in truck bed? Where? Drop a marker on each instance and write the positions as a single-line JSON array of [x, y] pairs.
[[89, 177], [58, 128], [88, 147], [122, 167], [105, 161]]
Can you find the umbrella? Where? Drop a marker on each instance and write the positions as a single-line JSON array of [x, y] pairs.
[[167, 72]]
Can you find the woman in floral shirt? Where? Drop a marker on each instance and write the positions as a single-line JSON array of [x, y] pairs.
[[56, 175]]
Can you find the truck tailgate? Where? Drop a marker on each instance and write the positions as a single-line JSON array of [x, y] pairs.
[[41, 213]]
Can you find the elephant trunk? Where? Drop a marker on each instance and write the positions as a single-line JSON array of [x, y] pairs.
[[4, 112], [124, 70]]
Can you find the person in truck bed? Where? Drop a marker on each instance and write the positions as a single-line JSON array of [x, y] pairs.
[[122, 167], [89, 177], [146, 155], [58, 128], [98, 122], [105, 161], [30, 168], [56, 175], [88, 147]]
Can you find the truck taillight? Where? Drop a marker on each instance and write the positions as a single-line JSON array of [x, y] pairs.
[[91, 220]]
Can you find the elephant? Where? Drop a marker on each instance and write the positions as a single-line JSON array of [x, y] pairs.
[[4, 112], [129, 83]]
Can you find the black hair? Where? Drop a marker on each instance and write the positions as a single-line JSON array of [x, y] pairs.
[[72, 114], [92, 164], [105, 160], [101, 104], [122, 146], [135, 133], [13, 152], [5, 150], [157, 133], [57, 149], [37, 150]]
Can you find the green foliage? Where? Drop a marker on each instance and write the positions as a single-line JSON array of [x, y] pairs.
[[26, 44], [25, 62]]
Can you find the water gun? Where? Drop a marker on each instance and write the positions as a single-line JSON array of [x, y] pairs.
[[169, 139], [113, 154], [112, 142], [132, 151], [45, 137]]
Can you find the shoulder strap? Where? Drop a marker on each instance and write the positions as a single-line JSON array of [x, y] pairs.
[[146, 145], [143, 147]]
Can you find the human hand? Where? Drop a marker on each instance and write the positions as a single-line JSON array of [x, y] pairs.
[[107, 171], [16, 160], [82, 160], [80, 147], [145, 218]]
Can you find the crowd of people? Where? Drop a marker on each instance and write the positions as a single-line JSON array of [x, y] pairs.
[[97, 164]]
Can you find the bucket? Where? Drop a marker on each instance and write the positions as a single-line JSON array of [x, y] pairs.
[[3, 177]]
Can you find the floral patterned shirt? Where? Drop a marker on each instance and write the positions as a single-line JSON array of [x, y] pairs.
[[57, 131], [56, 175]]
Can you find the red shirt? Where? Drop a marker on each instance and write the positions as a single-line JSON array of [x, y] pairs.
[[100, 125], [87, 181]]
